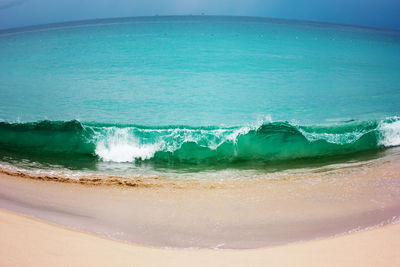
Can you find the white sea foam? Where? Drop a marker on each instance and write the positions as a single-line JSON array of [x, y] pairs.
[[389, 133], [119, 145], [333, 138]]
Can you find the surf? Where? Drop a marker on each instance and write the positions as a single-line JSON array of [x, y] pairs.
[[263, 142]]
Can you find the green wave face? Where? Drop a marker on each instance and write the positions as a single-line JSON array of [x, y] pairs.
[[275, 141], [46, 137]]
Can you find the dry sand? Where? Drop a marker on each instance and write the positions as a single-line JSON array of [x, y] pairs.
[[29, 242]]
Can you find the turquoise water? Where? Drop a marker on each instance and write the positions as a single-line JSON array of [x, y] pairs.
[[209, 91]]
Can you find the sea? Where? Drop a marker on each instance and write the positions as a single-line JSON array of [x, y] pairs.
[[196, 96]]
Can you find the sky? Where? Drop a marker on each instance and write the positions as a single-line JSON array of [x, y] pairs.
[[374, 13]]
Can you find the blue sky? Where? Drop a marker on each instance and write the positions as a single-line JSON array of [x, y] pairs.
[[376, 13]]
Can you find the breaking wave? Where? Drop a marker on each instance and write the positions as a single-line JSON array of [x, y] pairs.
[[267, 141]]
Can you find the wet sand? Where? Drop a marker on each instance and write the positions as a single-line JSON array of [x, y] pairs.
[[30, 242]]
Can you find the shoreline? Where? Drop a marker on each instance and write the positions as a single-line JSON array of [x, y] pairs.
[[391, 155], [29, 241], [228, 214]]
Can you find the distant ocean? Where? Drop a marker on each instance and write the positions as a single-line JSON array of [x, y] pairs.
[[194, 95]]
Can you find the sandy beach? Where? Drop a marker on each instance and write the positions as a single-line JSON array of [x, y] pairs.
[[333, 216], [29, 242], [229, 214]]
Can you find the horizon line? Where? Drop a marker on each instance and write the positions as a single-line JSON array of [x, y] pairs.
[[110, 19]]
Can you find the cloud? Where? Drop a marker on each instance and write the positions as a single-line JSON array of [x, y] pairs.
[[4, 4]]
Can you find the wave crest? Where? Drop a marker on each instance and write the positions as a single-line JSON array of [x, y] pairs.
[[262, 142]]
